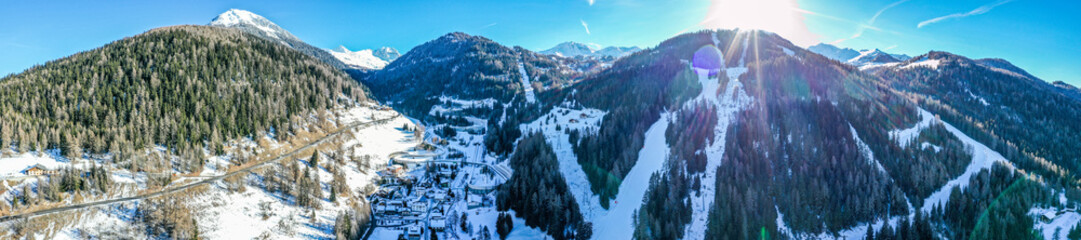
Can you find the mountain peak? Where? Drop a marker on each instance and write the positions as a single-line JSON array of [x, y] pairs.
[[366, 58], [236, 17], [341, 48], [575, 49]]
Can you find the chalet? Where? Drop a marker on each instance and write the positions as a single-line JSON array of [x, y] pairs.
[[38, 169], [1048, 216], [573, 120], [413, 232], [419, 206], [437, 222]]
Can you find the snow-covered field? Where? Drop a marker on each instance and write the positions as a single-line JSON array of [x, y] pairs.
[[14, 166], [1060, 223]]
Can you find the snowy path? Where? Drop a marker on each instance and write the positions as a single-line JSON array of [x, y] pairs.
[[982, 158], [618, 223], [731, 101], [526, 86]]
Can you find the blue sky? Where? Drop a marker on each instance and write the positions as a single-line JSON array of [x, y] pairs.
[[1040, 36]]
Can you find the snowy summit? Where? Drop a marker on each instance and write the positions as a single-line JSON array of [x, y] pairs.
[[365, 59], [236, 18], [575, 49]]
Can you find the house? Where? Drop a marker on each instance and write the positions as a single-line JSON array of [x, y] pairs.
[[413, 232], [573, 120], [1048, 216], [473, 203], [437, 222], [394, 207], [419, 206], [38, 169]]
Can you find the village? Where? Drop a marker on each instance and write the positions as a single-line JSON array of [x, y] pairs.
[[434, 190], [422, 193]]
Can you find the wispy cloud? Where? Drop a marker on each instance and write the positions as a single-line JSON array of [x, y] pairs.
[[980, 10], [585, 25], [860, 28], [890, 47], [488, 26]]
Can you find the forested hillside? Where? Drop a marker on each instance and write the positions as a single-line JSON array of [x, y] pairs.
[[466, 67], [1030, 121], [183, 88]]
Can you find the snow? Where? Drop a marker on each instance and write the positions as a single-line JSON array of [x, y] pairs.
[[864, 149], [619, 222], [788, 52], [927, 63], [526, 86], [982, 158], [1061, 223], [225, 214], [14, 165], [926, 145], [235, 17], [978, 98], [871, 66], [572, 172], [906, 136], [732, 100], [363, 59]]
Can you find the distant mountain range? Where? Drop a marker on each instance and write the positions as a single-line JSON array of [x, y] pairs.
[[574, 49], [857, 58], [367, 58], [340, 58]]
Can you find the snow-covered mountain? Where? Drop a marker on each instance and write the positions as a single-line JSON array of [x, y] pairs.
[[872, 57], [388, 54], [834, 52], [260, 26], [575, 49], [236, 18], [857, 58], [365, 59]]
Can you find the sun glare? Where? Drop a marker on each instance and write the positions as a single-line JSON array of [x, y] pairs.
[[778, 16]]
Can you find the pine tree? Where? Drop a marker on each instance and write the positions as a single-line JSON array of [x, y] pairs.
[[314, 160], [870, 232]]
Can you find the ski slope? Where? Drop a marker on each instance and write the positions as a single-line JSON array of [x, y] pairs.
[[587, 122], [619, 222]]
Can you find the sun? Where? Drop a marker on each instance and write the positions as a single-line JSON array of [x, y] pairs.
[[779, 16]]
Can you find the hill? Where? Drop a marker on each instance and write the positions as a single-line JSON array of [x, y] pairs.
[[183, 88]]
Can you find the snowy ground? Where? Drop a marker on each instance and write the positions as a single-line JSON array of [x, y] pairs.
[[982, 158], [587, 121], [527, 87], [728, 103], [618, 223], [1058, 226], [221, 212]]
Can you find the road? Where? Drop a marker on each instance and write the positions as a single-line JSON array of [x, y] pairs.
[[206, 181]]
